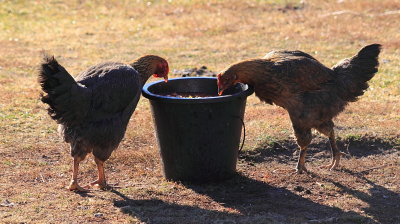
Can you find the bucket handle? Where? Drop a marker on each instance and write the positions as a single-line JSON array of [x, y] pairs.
[[244, 133]]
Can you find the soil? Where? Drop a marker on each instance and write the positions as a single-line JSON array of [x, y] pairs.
[[194, 72], [364, 190]]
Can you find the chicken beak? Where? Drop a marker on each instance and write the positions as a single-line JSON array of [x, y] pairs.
[[160, 76], [221, 89]]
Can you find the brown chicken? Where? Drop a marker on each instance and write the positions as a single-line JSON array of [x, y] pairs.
[[311, 93], [93, 110]]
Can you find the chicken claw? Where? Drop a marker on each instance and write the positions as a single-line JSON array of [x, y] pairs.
[[299, 169], [335, 162], [99, 185], [73, 186]]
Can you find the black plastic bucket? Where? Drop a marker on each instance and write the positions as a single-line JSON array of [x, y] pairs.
[[198, 137]]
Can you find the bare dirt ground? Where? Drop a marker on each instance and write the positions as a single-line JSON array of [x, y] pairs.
[[364, 190]]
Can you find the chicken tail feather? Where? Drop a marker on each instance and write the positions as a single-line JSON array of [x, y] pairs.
[[58, 86], [355, 72]]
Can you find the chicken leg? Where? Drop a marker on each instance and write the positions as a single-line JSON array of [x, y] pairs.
[[301, 162], [327, 129], [101, 181], [74, 186], [336, 154], [303, 138]]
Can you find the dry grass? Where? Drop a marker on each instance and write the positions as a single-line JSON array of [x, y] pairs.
[[35, 165]]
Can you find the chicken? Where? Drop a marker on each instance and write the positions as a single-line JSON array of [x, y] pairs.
[[311, 93], [93, 110]]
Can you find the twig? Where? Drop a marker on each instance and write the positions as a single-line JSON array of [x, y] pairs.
[[43, 180], [373, 168], [347, 149], [280, 170]]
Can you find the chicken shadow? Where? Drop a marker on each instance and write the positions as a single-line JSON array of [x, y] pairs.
[[287, 150], [254, 202], [383, 203], [154, 211], [253, 198]]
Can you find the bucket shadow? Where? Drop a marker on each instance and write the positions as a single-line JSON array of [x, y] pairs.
[[156, 211], [287, 150], [254, 202]]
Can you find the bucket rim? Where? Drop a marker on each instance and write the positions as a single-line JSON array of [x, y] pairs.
[[155, 97]]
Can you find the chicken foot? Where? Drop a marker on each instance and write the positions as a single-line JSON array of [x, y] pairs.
[[74, 186], [336, 154], [301, 162], [101, 181]]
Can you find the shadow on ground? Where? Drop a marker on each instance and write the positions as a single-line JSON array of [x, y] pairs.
[[287, 150], [247, 200], [255, 202], [383, 203]]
